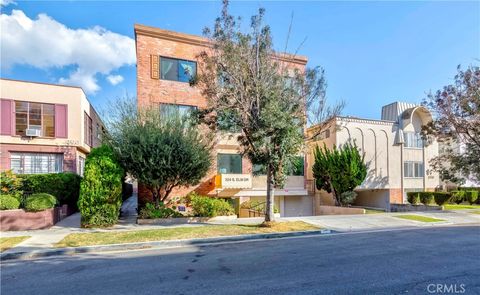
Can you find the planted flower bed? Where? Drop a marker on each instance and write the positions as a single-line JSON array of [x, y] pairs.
[[200, 209]]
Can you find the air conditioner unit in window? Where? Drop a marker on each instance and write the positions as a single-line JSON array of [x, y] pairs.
[[33, 132]]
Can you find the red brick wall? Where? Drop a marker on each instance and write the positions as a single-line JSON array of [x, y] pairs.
[[396, 196], [69, 154], [152, 41]]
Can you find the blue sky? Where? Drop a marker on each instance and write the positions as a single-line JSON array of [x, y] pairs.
[[373, 52]]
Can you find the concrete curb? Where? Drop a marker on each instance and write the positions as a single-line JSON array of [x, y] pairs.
[[153, 245]]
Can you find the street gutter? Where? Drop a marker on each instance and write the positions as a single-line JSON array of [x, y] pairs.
[[154, 245]]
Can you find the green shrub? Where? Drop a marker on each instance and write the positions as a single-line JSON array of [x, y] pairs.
[[457, 196], [11, 184], [39, 202], [100, 189], [471, 196], [64, 186], [348, 198], [149, 211], [427, 198], [210, 207], [413, 198], [442, 198], [8, 202]]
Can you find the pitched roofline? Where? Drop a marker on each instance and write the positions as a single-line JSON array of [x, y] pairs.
[[202, 41]]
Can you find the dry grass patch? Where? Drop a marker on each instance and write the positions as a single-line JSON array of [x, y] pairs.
[[10, 242], [179, 233]]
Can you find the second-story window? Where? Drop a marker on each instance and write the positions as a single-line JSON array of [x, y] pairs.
[[413, 140], [171, 110], [413, 169], [229, 163], [177, 69], [88, 131], [32, 115]]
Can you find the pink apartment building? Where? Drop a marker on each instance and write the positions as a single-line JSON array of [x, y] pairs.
[[46, 128]]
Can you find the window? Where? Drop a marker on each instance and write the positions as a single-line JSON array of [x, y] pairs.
[[36, 163], [88, 131], [177, 69], [31, 115], [229, 163], [171, 110], [413, 169], [81, 165], [413, 140]]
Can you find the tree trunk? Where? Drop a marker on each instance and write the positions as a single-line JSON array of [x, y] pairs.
[[269, 213]]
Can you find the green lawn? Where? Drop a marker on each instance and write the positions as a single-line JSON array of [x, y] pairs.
[[460, 206], [419, 218], [373, 211], [105, 238], [9, 242]]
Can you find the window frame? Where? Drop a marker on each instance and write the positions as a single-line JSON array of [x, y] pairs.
[[415, 167], [178, 106], [88, 130], [20, 156], [230, 172], [413, 140], [42, 115], [177, 60]]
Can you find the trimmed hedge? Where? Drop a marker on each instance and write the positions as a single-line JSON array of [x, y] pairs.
[[427, 198], [39, 202], [471, 196], [150, 212], [413, 198], [210, 207], [457, 196], [101, 189], [8, 202], [442, 197], [64, 186]]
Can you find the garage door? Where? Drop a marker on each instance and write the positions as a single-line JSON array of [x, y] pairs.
[[297, 206]]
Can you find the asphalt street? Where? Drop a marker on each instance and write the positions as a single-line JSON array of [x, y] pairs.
[[390, 262]]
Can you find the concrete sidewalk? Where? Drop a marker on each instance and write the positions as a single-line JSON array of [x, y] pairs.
[[45, 239]]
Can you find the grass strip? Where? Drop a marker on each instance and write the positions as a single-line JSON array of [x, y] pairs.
[[178, 233], [419, 218], [10, 242]]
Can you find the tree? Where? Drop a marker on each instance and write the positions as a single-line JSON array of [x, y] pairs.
[[100, 188], [162, 153], [250, 89], [339, 171], [456, 124]]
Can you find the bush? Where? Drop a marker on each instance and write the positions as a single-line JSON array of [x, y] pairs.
[[471, 196], [39, 202], [413, 198], [64, 186], [457, 196], [149, 211], [8, 202], [100, 189], [427, 198], [348, 198], [442, 198], [11, 184], [210, 207]]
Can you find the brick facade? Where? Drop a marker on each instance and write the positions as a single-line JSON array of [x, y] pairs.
[[152, 90]]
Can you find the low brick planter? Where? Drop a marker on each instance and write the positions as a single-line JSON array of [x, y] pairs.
[[410, 207], [20, 219], [184, 220]]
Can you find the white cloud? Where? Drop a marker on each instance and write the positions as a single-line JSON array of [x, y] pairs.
[[7, 2], [45, 43], [114, 79]]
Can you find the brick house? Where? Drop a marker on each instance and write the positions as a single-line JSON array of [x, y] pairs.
[[164, 61], [46, 128]]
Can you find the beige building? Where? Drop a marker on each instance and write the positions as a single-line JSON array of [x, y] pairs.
[[46, 128], [396, 155]]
